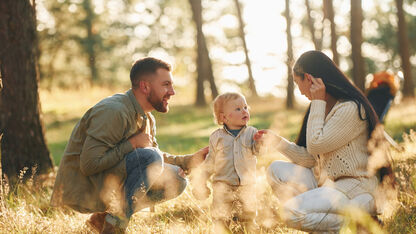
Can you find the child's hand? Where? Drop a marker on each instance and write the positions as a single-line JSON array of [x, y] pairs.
[[259, 134]]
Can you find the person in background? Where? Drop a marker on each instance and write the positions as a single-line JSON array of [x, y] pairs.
[[381, 92]]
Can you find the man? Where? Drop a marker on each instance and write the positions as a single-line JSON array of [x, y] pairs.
[[112, 166]]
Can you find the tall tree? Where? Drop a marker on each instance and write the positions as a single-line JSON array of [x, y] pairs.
[[290, 97], [358, 69], [89, 43], [204, 65], [251, 83], [311, 26], [408, 87], [23, 143], [329, 14]]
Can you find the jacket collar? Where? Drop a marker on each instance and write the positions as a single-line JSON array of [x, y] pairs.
[[136, 105], [228, 131]]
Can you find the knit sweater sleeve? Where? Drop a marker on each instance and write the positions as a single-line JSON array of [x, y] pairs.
[[343, 126], [295, 153]]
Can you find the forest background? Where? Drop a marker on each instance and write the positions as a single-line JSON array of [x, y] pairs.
[[58, 58]]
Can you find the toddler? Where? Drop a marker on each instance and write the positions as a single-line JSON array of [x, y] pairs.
[[232, 163]]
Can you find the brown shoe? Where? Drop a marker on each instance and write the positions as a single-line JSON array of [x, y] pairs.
[[113, 225], [96, 221]]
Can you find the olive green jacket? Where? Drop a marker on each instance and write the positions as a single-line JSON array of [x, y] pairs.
[[92, 171]]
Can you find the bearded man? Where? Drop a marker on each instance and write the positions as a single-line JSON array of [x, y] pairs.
[[112, 166]]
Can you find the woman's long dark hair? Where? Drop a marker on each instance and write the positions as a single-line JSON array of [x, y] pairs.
[[337, 85]]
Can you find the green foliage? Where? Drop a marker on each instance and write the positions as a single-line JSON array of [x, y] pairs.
[[386, 37]]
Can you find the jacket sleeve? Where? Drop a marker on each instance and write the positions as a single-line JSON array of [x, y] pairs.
[[255, 147], [104, 145], [343, 126]]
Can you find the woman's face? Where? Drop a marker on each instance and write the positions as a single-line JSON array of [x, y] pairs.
[[304, 85]]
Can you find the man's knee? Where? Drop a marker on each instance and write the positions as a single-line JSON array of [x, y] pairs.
[[169, 184], [153, 162], [150, 155]]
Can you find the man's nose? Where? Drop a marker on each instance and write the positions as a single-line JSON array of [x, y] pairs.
[[172, 91]]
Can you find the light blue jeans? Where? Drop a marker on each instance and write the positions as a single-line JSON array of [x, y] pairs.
[[305, 205], [150, 180]]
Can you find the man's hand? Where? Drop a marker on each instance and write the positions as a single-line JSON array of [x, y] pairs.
[[141, 140], [198, 157]]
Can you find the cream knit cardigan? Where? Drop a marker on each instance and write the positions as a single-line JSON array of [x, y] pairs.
[[336, 148]]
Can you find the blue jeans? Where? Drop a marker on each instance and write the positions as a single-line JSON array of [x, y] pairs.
[[150, 180]]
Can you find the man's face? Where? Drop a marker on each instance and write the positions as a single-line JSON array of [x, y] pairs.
[[161, 88]]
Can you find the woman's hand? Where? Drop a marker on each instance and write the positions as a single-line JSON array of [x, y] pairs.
[[318, 91]]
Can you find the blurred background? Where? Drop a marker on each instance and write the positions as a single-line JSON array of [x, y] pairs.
[[218, 46], [60, 57]]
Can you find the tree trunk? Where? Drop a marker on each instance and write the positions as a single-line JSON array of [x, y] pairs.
[[90, 41], [329, 14], [311, 26], [23, 144], [251, 83], [358, 70], [408, 87], [290, 99], [204, 66]]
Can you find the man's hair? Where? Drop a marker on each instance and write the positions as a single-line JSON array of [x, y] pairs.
[[219, 103], [145, 66]]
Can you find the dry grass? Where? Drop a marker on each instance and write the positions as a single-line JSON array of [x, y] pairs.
[[26, 209]]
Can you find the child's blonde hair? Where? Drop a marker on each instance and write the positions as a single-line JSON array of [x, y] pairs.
[[219, 103]]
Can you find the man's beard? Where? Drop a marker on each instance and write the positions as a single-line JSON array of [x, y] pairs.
[[157, 102]]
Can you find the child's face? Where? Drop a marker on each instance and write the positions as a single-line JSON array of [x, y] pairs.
[[236, 113]]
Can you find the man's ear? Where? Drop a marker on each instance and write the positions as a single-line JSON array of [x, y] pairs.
[[144, 86]]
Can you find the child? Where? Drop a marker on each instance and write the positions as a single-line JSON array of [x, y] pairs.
[[232, 162]]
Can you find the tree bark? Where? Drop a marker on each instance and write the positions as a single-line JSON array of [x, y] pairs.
[[329, 14], [290, 98], [311, 25], [358, 69], [90, 42], [204, 65], [251, 83], [23, 144], [408, 87]]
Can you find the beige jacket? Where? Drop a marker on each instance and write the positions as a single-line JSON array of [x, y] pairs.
[[93, 169], [336, 147], [232, 159]]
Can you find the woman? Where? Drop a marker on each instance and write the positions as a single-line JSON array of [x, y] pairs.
[[329, 159]]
